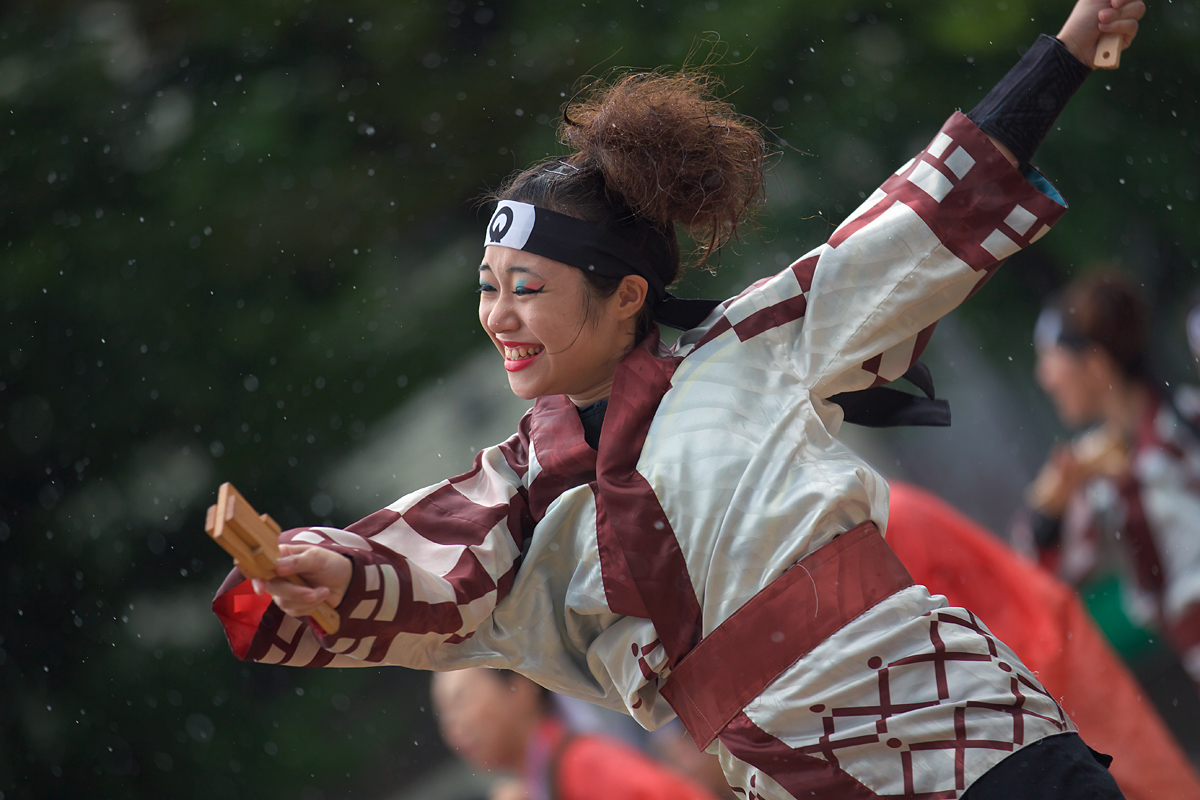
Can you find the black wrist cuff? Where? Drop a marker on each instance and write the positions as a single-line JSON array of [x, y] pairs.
[[1025, 103], [1047, 531]]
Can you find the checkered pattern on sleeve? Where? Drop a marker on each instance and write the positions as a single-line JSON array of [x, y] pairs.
[[434, 564]]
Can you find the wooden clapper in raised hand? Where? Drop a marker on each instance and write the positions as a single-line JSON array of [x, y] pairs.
[[253, 541], [1108, 52]]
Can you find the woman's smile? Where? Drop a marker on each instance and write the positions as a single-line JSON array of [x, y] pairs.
[[519, 355]]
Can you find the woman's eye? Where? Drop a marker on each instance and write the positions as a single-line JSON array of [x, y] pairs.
[[521, 291], [485, 287]]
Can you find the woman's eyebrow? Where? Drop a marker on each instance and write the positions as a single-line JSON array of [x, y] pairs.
[[521, 270]]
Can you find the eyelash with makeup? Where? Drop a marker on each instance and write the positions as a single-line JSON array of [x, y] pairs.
[[520, 291]]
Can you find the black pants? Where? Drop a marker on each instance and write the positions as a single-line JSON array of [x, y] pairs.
[[1059, 767]]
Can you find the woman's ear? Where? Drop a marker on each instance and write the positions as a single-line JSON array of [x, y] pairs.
[[630, 296]]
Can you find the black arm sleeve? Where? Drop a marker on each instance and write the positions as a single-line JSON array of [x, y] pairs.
[[1047, 531], [1025, 103]]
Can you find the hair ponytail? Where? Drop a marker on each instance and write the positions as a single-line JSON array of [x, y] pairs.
[[651, 151]]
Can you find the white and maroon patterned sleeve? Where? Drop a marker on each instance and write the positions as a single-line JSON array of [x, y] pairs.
[[858, 310], [427, 570]]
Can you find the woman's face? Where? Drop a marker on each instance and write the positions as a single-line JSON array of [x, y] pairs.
[[1074, 382], [554, 337]]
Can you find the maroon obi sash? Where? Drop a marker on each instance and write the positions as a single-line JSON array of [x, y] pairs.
[[782, 623]]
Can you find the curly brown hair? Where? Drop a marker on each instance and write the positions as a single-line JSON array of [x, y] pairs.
[[651, 150]]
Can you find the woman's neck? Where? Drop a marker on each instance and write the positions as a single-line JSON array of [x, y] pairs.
[[600, 391], [603, 389]]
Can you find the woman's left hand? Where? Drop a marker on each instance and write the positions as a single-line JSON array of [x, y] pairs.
[[326, 573], [1092, 19]]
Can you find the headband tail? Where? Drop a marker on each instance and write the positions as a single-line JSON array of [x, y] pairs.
[[683, 314], [885, 407]]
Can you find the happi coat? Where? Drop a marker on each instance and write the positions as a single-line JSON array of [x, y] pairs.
[[719, 467]]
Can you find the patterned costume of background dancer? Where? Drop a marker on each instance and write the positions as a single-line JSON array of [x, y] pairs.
[[1123, 497]]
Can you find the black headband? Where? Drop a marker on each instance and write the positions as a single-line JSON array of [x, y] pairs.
[[572, 241], [590, 248]]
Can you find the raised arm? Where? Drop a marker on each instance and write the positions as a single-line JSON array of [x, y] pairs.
[[1019, 111], [938, 228]]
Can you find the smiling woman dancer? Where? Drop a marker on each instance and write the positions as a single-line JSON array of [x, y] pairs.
[[678, 531]]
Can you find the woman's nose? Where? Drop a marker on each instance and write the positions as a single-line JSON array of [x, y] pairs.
[[500, 317]]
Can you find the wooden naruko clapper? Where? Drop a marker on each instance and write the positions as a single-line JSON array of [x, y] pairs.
[[253, 541]]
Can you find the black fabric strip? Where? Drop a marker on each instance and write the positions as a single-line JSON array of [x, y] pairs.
[[1025, 103], [885, 407], [1059, 767], [592, 419], [683, 314], [1046, 530], [878, 407]]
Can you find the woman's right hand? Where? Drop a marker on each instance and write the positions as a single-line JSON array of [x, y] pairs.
[[1101, 452], [326, 572], [1092, 19], [1059, 478]]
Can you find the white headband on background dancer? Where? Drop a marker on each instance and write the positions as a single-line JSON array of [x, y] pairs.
[[1053, 329], [589, 248], [1193, 330]]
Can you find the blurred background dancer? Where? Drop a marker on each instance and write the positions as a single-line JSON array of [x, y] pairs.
[[501, 721]]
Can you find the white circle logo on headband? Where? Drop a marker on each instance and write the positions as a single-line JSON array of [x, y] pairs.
[[511, 225]]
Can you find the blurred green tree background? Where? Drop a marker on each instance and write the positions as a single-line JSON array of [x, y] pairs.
[[236, 235]]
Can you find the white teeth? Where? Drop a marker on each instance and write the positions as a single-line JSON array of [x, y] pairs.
[[519, 353]]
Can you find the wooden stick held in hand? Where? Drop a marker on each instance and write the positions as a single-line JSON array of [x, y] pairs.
[[1108, 52], [253, 541]]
